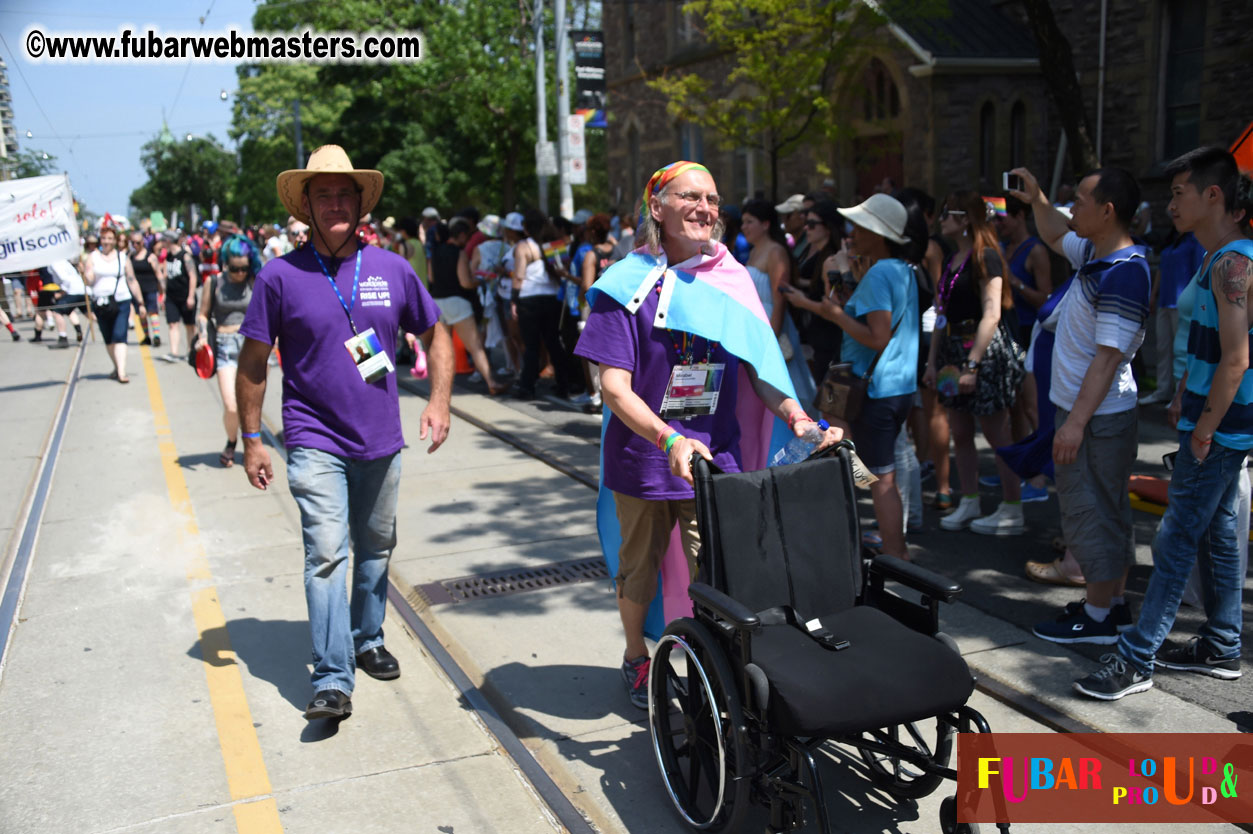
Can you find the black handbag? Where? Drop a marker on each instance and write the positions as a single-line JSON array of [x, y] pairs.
[[842, 392]]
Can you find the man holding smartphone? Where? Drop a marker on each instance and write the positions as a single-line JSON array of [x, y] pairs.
[[1210, 198], [1101, 325]]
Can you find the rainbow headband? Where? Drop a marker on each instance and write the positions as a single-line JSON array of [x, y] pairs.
[[663, 177]]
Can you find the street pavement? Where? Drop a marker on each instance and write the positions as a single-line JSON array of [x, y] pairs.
[[117, 688]]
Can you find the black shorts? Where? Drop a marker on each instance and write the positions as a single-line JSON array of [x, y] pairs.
[[875, 429], [70, 303], [176, 311], [48, 299]]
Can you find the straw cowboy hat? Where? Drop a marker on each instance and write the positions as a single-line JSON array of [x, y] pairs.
[[328, 159]]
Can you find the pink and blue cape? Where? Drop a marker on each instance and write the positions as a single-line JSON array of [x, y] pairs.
[[713, 297]]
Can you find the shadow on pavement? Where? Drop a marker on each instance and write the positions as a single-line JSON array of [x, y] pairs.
[[30, 386], [203, 459], [271, 650]]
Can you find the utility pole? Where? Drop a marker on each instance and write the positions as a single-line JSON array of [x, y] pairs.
[[563, 107], [541, 108], [300, 145]]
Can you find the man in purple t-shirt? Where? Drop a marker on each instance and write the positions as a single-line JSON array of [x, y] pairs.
[[647, 458], [336, 306]]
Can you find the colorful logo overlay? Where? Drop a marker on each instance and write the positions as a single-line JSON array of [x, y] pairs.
[[1104, 777]]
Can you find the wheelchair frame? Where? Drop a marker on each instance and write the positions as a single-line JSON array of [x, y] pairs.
[[724, 710]]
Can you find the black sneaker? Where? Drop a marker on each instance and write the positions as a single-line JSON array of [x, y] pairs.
[[1120, 614], [329, 703], [156, 341], [1078, 627], [1116, 679], [39, 335], [17, 337], [78, 332], [62, 342], [1197, 656], [635, 673]]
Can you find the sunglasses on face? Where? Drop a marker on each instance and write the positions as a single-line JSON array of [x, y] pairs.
[[237, 269], [946, 211], [814, 224]]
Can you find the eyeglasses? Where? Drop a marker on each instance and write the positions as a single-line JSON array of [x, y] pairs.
[[694, 197], [236, 269], [946, 211]]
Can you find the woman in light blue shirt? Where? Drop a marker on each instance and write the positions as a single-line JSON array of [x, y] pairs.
[[881, 325]]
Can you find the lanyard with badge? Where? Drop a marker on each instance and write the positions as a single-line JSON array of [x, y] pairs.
[[694, 386], [365, 348]]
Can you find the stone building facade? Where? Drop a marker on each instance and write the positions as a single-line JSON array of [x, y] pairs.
[[952, 101]]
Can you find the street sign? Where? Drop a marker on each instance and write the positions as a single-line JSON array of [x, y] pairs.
[[574, 145], [576, 170], [546, 159]]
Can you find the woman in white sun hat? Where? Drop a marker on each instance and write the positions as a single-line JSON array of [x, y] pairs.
[[881, 329]]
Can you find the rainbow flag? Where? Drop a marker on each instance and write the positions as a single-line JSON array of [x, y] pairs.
[[998, 205], [556, 248]]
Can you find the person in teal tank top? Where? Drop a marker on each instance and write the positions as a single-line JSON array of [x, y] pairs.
[[1210, 198]]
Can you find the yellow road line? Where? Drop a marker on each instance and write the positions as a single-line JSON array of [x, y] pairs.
[[246, 775]]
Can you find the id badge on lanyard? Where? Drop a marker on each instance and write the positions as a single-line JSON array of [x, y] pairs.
[[367, 352], [692, 391]]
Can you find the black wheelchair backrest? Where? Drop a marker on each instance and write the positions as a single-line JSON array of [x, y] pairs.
[[786, 535]]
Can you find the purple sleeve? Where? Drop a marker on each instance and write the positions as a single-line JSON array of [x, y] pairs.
[[609, 336], [420, 311], [261, 322]]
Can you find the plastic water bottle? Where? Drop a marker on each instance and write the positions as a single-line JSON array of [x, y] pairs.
[[799, 448]]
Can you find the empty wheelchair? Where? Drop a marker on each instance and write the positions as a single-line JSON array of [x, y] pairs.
[[797, 642]]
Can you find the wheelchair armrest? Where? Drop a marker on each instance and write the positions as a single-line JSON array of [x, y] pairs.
[[722, 605], [919, 578]]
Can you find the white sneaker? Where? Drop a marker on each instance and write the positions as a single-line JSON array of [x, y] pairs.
[[1006, 521], [1161, 395], [967, 511]]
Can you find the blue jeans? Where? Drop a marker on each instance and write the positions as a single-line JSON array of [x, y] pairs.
[[1202, 515], [342, 500]]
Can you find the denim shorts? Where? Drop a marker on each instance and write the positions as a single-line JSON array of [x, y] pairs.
[[875, 429], [226, 352]]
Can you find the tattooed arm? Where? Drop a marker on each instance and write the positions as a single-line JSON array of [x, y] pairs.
[[1231, 281]]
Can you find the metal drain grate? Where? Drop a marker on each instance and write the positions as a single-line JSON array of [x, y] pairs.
[[513, 581]]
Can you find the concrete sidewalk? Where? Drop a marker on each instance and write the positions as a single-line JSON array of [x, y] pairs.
[[549, 658], [157, 674]]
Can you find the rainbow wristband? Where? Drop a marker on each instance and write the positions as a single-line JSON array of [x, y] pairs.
[[249, 435], [670, 441]]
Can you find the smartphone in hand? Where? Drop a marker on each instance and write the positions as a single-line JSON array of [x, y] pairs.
[[1011, 182]]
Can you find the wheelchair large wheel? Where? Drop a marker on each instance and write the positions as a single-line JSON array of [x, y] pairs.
[[900, 777], [697, 728]]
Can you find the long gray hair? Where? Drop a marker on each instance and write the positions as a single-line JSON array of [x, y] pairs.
[[649, 234]]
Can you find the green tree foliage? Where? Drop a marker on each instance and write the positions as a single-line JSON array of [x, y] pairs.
[[457, 128], [31, 163], [198, 170], [787, 58]]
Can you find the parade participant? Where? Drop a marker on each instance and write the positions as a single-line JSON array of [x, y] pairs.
[[652, 372], [64, 283], [147, 273], [537, 308], [4, 320], [182, 277], [1211, 199], [113, 285], [1100, 326], [327, 304], [224, 300]]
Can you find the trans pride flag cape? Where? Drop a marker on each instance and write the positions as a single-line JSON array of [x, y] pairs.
[[712, 296]]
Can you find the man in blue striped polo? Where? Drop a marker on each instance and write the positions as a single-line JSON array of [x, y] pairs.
[[1214, 414]]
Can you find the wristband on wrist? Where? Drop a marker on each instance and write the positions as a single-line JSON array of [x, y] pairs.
[[670, 441], [249, 435], [797, 416], [660, 442]]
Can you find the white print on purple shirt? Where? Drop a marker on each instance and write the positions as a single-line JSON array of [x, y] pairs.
[[375, 292]]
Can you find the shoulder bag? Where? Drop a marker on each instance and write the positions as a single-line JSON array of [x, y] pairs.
[[842, 392]]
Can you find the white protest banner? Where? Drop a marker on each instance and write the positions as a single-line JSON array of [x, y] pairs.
[[37, 224]]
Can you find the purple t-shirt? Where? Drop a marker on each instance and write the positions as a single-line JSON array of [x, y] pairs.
[[633, 465], [326, 404]]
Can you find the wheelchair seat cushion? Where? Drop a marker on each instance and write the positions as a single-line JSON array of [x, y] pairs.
[[890, 674]]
